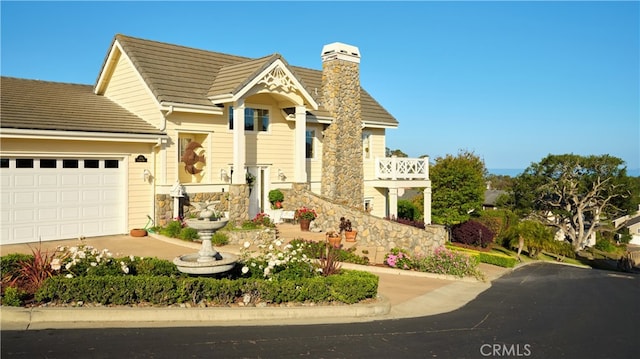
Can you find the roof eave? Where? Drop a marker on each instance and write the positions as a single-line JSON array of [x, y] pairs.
[[181, 107], [107, 67]]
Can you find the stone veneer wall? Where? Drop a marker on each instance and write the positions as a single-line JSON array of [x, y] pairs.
[[342, 170], [164, 204], [238, 203], [374, 232]]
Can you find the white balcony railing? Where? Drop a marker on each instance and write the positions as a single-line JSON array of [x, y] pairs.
[[402, 168]]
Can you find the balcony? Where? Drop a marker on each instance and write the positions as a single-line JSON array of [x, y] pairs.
[[402, 168]]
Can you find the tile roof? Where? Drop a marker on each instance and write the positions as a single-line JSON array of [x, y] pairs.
[[632, 221], [233, 77], [491, 196], [179, 74], [43, 105]]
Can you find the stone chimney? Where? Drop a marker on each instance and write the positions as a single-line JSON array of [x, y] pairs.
[[342, 173]]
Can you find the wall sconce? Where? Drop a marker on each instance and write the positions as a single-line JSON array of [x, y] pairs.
[[146, 175], [224, 175], [281, 175]]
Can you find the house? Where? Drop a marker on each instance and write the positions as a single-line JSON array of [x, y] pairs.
[[165, 121], [632, 223], [490, 198]]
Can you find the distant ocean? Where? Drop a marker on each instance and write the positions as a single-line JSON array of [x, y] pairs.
[[514, 172]]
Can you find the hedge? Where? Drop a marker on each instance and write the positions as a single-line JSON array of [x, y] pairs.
[[489, 258], [348, 287]]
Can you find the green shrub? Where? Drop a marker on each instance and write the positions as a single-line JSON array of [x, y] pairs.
[[562, 248], [276, 195], [537, 237], [604, 245], [11, 262], [317, 250], [220, 239], [263, 220], [188, 234], [154, 267], [408, 210], [249, 225], [172, 229], [13, 296], [117, 290], [498, 221], [347, 287], [399, 258], [497, 260], [352, 286], [444, 261]]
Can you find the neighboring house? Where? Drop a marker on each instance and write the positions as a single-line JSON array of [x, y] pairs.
[[80, 160], [632, 223], [634, 229], [490, 198]]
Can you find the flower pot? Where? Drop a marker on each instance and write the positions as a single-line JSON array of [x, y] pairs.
[[138, 232], [334, 241], [304, 224], [350, 236]]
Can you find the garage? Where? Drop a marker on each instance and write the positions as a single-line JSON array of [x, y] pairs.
[[61, 198]]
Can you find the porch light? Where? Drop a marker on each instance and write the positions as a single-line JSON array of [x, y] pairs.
[[224, 175]]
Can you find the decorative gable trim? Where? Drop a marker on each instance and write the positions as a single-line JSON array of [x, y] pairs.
[[275, 77]]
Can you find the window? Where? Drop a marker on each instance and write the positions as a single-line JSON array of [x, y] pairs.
[[69, 163], [24, 163], [183, 142], [91, 164], [4, 163], [309, 150], [368, 204], [48, 163], [255, 119], [111, 163]]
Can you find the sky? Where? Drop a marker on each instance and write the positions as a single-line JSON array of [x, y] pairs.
[[510, 81]]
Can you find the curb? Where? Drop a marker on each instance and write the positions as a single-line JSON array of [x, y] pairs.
[[39, 317]]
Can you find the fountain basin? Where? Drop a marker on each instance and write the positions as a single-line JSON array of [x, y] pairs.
[[207, 260], [206, 225], [193, 263]]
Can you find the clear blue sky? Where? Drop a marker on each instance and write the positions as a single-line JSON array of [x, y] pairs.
[[510, 81]]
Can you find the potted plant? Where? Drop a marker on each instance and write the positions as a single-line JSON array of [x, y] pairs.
[[334, 238], [345, 227], [305, 216], [276, 198]]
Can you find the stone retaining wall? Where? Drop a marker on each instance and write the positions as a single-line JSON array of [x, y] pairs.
[[252, 236], [373, 231], [164, 204]]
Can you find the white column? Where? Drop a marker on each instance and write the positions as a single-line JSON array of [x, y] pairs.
[[427, 204], [300, 167], [393, 202], [239, 146]]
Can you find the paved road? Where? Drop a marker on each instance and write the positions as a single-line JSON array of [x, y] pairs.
[[538, 311]]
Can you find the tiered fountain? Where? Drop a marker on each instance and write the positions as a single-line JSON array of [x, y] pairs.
[[207, 260]]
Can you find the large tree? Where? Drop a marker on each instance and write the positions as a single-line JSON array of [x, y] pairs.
[[458, 187], [397, 152], [573, 193]]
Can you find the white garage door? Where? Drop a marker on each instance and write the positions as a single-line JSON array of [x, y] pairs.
[[61, 198]]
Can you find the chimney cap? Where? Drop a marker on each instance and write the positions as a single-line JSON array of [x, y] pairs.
[[340, 51]]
